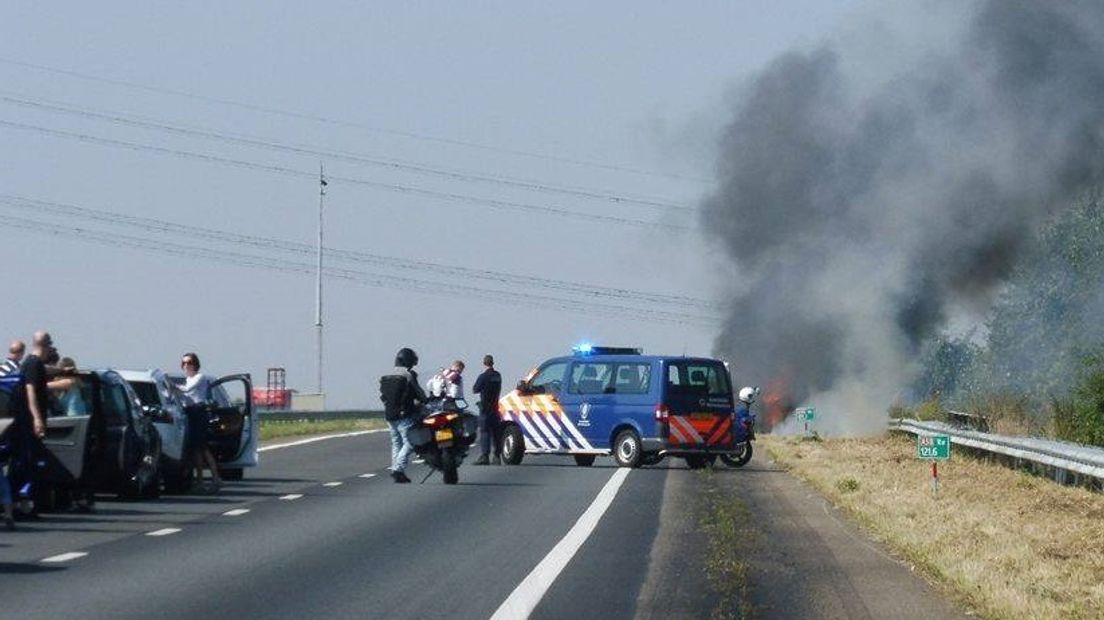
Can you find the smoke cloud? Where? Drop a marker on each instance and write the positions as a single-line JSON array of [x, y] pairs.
[[866, 192]]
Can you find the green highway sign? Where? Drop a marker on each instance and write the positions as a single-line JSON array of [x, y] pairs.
[[807, 414], [933, 447]]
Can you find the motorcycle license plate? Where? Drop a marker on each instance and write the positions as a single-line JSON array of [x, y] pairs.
[[701, 416], [443, 435]]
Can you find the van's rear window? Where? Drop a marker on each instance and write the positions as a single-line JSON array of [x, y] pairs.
[[698, 378]]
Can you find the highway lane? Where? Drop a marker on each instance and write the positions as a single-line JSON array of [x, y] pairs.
[[366, 547]]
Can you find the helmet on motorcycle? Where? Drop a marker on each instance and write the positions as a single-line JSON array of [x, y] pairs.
[[747, 394], [406, 358]]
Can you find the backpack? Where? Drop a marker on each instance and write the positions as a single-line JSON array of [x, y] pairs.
[[394, 392]]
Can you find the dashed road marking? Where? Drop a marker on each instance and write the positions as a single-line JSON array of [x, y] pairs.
[[332, 484], [291, 496], [237, 512], [367, 475], [164, 532], [65, 557]]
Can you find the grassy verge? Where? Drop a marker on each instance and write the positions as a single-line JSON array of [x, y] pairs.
[[278, 430], [1004, 543], [724, 517]]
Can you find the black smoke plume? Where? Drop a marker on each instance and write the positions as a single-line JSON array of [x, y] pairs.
[[865, 195]]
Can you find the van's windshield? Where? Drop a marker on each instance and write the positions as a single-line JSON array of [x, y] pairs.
[[698, 378]]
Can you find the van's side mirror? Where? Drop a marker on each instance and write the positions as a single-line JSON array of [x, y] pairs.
[[523, 388]]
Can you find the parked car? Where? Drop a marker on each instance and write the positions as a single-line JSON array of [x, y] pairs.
[[161, 403], [234, 430], [100, 439]]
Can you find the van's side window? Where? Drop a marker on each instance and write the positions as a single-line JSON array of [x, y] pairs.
[[549, 380], [697, 378], [633, 379], [591, 378]]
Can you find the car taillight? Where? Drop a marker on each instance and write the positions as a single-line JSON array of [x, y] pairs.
[[661, 413]]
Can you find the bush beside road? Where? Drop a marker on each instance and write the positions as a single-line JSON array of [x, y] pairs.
[[1004, 543]]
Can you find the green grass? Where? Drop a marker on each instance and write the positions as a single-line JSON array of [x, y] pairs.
[[725, 518], [277, 430]]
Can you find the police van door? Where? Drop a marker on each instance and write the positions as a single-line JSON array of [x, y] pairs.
[[534, 408], [588, 406]]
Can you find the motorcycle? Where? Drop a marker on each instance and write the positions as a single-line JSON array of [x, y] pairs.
[[744, 429], [443, 437]]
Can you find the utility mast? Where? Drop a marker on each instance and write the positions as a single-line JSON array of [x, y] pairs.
[[318, 291]]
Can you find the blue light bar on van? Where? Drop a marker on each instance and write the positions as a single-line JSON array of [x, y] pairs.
[[588, 349]]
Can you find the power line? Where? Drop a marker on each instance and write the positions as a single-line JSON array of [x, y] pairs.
[[391, 187], [342, 123], [356, 158], [114, 239], [302, 249]]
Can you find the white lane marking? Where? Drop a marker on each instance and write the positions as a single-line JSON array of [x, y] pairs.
[[164, 532], [332, 484], [367, 476], [525, 597], [303, 442], [291, 496], [65, 557], [237, 512]]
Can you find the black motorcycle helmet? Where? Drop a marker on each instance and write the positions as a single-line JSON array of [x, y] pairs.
[[406, 358]]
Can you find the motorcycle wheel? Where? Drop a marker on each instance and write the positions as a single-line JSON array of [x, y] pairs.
[[738, 459], [449, 466]]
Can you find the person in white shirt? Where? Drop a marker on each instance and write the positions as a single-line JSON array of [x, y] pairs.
[[196, 393]]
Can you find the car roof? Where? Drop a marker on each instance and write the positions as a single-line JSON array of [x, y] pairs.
[[147, 374]]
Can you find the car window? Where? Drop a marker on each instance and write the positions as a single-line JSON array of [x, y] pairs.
[[591, 378], [549, 380], [698, 378], [219, 397], [147, 392], [113, 400], [633, 379]]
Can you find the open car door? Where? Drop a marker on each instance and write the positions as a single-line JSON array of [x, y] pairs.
[[232, 435]]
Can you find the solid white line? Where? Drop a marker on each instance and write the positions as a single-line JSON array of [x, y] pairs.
[[367, 475], [164, 532], [291, 496], [237, 512], [65, 557], [525, 597], [303, 442], [332, 484]]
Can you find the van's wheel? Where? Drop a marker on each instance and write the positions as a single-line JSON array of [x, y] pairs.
[[584, 460], [627, 450], [738, 459], [449, 467], [513, 445]]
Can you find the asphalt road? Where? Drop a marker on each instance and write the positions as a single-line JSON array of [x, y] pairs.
[[283, 544]]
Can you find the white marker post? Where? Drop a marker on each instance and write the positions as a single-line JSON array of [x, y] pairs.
[[933, 448]]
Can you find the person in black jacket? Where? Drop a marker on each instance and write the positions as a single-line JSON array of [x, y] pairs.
[[489, 388], [402, 402]]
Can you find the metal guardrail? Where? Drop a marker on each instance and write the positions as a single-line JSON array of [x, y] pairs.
[[318, 416], [1068, 462]]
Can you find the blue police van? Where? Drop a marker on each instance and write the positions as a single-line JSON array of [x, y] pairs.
[[617, 401]]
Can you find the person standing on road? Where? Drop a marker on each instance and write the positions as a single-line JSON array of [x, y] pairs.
[[196, 393], [15, 356], [29, 426], [402, 402], [489, 387]]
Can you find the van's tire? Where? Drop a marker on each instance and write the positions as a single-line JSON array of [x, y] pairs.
[[234, 473], [627, 449], [449, 466], [584, 460], [513, 445], [738, 459]]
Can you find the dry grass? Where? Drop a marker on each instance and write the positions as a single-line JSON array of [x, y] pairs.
[[1002, 542], [281, 430]]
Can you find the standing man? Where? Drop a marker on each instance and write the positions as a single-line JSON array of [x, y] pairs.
[[402, 402], [15, 357], [29, 426], [489, 387]]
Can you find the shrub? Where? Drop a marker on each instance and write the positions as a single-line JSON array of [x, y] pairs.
[[1080, 417]]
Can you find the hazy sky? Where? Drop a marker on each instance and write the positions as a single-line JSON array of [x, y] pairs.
[[564, 106]]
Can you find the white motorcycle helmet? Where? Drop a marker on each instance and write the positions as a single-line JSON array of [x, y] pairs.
[[748, 394]]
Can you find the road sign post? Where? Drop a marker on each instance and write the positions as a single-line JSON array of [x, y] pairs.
[[933, 448]]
